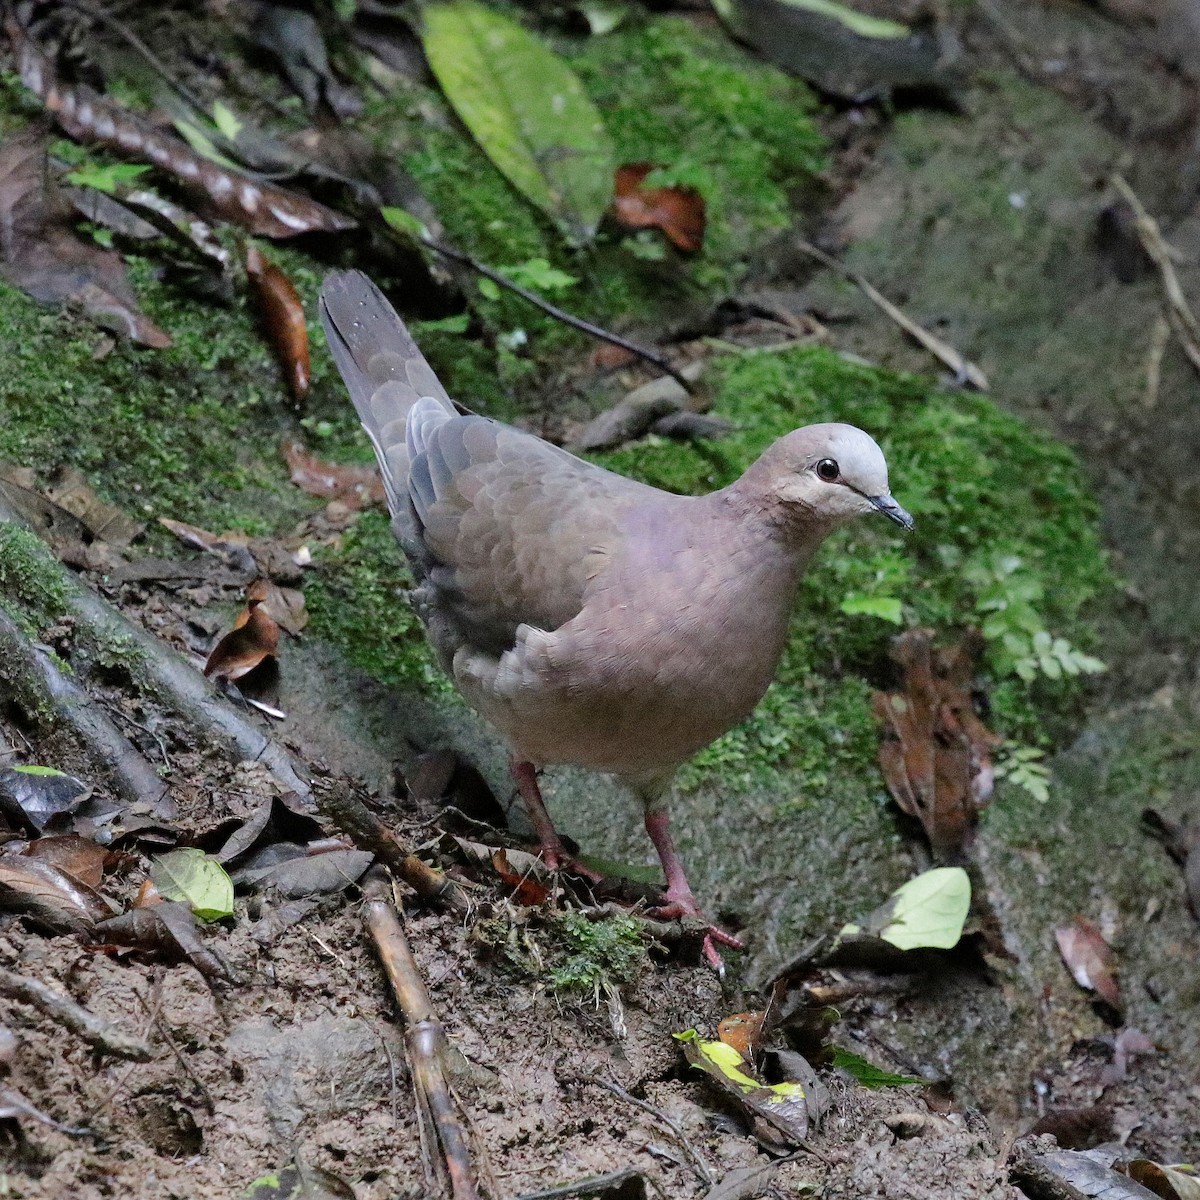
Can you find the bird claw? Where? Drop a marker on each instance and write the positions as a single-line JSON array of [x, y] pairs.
[[556, 858], [676, 909]]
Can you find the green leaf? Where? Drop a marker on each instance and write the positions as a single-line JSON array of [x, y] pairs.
[[489, 289], [926, 912], [202, 143], [538, 274], [402, 221], [226, 120], [106, 177], [455, 324], [196, 879], [526, 108], [887, 608], [867, 1073]]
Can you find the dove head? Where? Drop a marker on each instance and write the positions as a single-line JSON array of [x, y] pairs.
[[824, 475]]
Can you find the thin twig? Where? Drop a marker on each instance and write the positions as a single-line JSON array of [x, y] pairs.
[[158, 1023], [104, 1037], [964, 370], [694, 1160], [559, 314], [425, 1040], [338, 804], [1183, 320], [1160, 335]]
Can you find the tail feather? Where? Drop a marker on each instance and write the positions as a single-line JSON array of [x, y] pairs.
[[383, 369]]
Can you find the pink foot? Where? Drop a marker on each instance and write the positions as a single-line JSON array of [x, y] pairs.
[[686, 906], [554, 854]]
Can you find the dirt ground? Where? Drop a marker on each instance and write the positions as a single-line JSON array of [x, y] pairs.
[[296, 1053]]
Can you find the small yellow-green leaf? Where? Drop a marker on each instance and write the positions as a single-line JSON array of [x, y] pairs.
[[863, 24], [527, 110], [887, 608], [197, 880], [927, 912], [228, 123], [402, 221]]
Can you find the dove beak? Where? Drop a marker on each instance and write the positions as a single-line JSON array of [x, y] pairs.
[[890, 509]]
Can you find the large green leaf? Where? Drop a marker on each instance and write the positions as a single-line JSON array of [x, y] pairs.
[[928, 911], [526, 108], [199, 881]]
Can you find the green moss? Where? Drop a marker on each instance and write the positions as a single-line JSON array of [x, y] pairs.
[[979, 482], [359, 602], [591, 958], [29, 579], [671, 93]]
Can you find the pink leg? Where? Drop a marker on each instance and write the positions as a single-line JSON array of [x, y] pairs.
[[554, 853], [679, 901]]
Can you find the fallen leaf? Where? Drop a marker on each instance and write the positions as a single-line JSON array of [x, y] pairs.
[[41, 253], [169, 927], [526, 891], [72, 492], [353, 484], [283, 317], [302, 874], [253, 638], [1129, 1043], [35, 796], [527, 110], [1090, 959], [679, 212], [297, 1181], [934, 752], [232, 547], [284, 605], [77, 856], [196, 879], [49, 896], [1089, 1172], [1171, 1183], [742, 1031], [926, 912], [781, 1105], [867, 1073]]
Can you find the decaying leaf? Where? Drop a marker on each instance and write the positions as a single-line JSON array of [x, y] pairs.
[[1178, 1182], [1090, 959], [355, 485], [49, 896], [253, 638], [295, 873], [41, 253], [283, 318], [526, 108], [1090, 1173], [299, 1182], [34, 796], [284, 605], [781, 1105], [261, 207], [234, 548], [926, 912], [77, 856], [167, 927], [71, 491], [679, 212], [526, 890], [742, 1031], [935, 752], [196, 879]]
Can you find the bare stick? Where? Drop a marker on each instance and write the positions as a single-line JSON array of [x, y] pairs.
[[104, 1037], [425, 1039], [31, 674], [694, 1160], [1183, 320], [559, 314], [963, 368], [339, 805]]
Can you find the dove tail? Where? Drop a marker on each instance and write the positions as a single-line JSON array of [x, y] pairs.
[[384, 371]]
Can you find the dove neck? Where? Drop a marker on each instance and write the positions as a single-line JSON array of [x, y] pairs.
[[761, 514]]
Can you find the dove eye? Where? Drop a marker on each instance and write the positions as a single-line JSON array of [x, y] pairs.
[[827, 470]]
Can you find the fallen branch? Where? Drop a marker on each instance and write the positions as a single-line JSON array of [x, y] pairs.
[[339, 805], [438, 1115], [1183, 320], [559, 314], [32, 676], [964, 370], [156, 668], [104, 1037]]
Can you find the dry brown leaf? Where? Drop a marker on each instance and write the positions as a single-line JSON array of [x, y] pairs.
[[167, 927], [77, 856], [253, 638], [1090, 959], [354, 485], [72, 492], [48, 895], [935, 752], [41, 253], [743, 1031], [284, 605], [283, 318], [678, 211]]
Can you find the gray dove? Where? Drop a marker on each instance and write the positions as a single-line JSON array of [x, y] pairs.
[[590, 618]]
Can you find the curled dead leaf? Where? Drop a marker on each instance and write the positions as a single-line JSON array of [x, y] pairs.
[[352, 484], [49, 896], [1090, 959], [678, 211], [743, 1031], [282, 314]]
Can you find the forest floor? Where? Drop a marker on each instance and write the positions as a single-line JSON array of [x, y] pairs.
[[270, 1036]]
